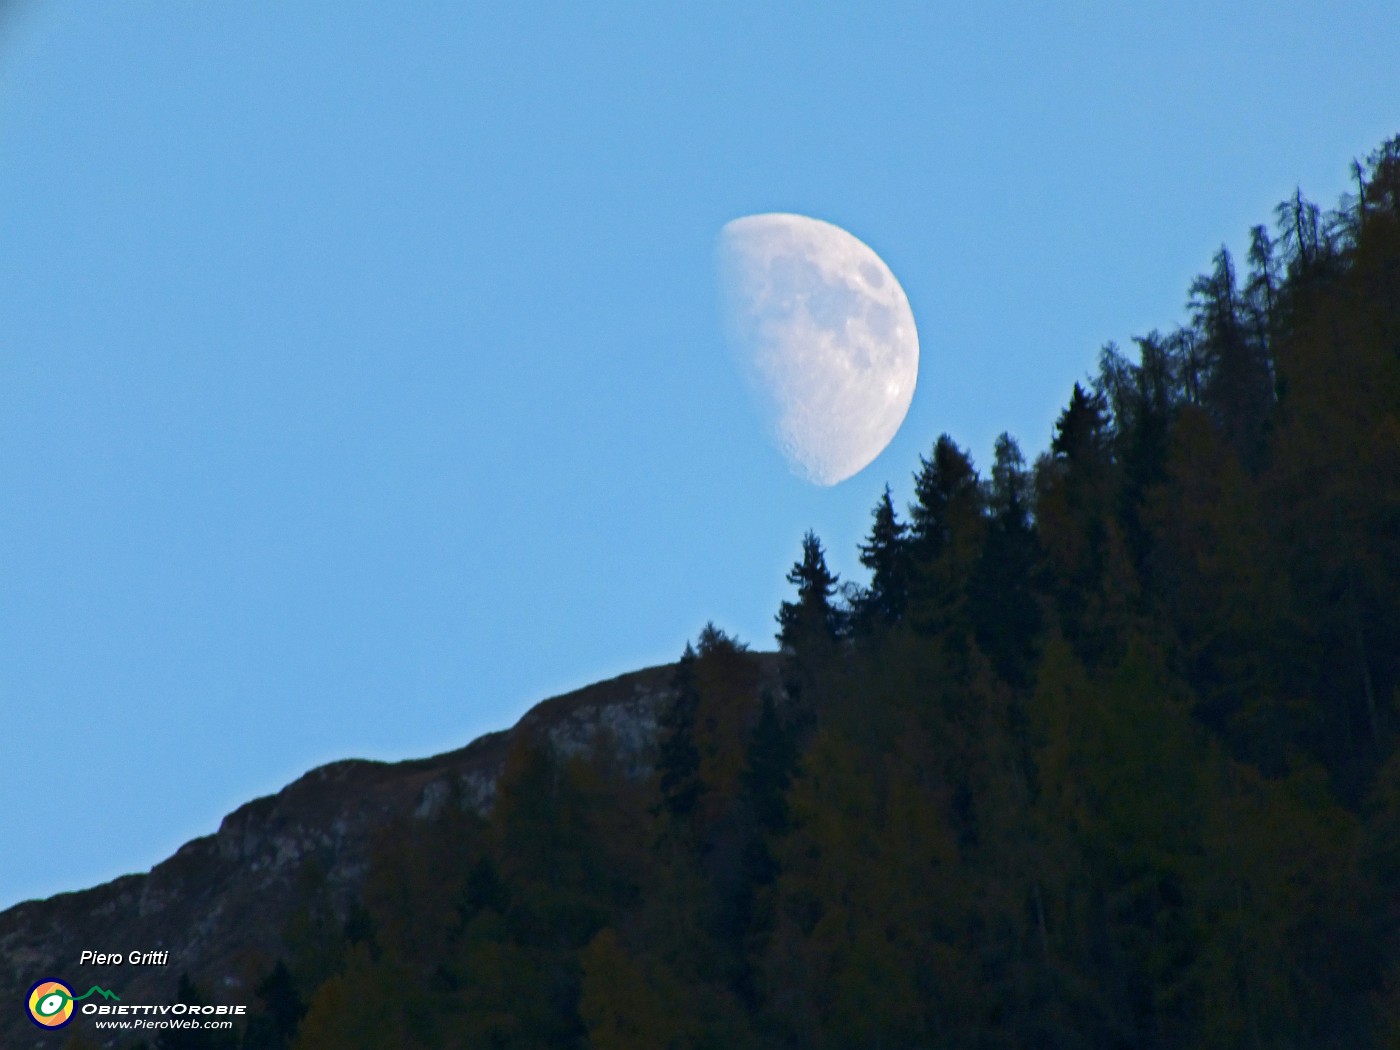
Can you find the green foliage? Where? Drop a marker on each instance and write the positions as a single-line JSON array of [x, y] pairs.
[[886, 554], [1002, 606], [678, 762], [808, 626], [624, 1006], [1104, 754], [947, 528]]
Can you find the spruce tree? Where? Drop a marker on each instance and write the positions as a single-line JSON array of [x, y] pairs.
[[946, 495], [679, 761], [1005, 615], [811, 623], [946, 538], [886, 554], [1081, 431]]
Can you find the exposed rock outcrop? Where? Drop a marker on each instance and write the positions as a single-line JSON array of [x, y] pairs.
[[220, 904]]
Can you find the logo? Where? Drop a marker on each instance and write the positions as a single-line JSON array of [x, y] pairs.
[[51, 1002]]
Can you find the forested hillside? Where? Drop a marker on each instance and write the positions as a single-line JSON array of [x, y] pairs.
[[1102, 754]]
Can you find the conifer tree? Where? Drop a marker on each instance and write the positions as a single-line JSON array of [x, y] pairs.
[[1004, 612], [1076, 520], [725, 690], [1238, 387], [1081, 431], [618, 1003], [772, 755], [1300, 228], [1009, 494], [945, 542], [1382, 190], [679, 762], [946, 498], [886, 554], [1261, 288], [810, 624], [1144, 398]]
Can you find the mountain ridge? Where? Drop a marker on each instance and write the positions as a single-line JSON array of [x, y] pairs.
[[220, 902]]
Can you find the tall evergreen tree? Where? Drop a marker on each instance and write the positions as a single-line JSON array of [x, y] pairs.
[[679, 762], [1144, 398], [1010, 494], [1002, 604], [1261, 287], [886, 554], [946, 498], [809, 625], [1238, 389], [1081, 432], [1077, 523], [1301, 233], [946, 534]]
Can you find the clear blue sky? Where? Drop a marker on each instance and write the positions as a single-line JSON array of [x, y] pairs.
[[360, 378]]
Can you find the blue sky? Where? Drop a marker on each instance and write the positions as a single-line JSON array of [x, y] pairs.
[[361, 382]]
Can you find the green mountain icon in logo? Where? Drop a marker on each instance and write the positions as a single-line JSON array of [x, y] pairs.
[[100, 991]]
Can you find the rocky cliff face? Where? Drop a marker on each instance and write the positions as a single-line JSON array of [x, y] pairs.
[[220, 904]]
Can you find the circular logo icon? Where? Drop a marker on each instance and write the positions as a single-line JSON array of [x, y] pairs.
[[50, 1004]]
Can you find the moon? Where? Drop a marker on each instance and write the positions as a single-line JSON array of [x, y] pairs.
[[825, 337]]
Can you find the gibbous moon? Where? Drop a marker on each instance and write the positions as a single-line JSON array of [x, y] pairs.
[[825, 337]]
